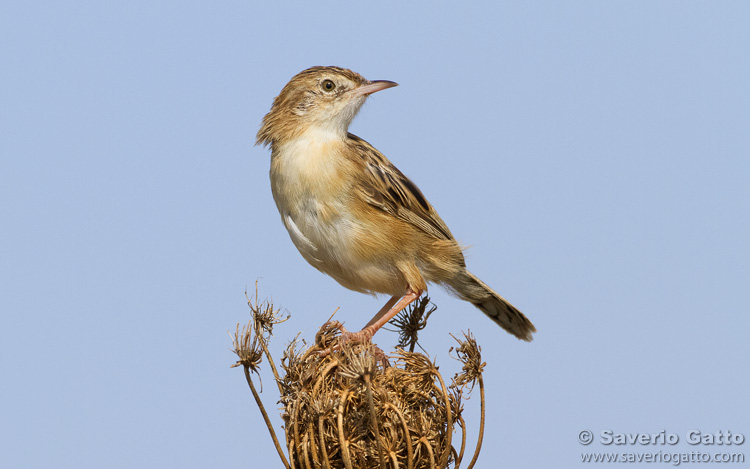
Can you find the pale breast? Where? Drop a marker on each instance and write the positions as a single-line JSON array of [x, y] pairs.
[[312, 186]]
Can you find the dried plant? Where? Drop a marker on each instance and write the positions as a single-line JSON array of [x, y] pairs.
[[412, 320], [343, 407]]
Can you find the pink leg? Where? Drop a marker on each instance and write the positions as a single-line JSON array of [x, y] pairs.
[[384, 315], [384, 310]]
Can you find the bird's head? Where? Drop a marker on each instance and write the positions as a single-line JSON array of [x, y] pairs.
[[322, 98]]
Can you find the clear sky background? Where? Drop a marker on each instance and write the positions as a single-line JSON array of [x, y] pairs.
[[594, 155]]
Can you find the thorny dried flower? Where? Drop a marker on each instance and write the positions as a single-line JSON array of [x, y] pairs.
[[358, 365], [247, 347], [470, 354], [328, 334], [264, 314], [407, 418], [343, 409], [419, 372], [412, 320]]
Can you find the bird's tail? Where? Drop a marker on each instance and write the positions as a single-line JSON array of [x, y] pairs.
[[468, 287]]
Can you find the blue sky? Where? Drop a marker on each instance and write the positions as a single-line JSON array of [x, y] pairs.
[[595, 156]]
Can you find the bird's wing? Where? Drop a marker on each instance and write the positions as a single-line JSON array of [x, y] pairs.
[[386, 188]]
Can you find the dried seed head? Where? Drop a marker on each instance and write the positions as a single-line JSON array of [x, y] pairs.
[[264, 314], [247, 347], [341, 409], [359, 364], [330, 401], [470, 354], [412, 320]]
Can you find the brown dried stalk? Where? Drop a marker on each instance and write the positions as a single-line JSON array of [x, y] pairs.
[[248, 344], [470, 354]]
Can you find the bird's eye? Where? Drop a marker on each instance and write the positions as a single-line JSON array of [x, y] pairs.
[[328, 85]]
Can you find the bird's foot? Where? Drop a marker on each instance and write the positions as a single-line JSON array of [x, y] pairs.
[[324, 336], [362, 337]]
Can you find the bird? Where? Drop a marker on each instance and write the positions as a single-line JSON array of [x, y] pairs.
[[352, 214]]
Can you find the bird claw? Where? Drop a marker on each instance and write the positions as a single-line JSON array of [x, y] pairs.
[[362, 337], [348, 338], [365, 337]]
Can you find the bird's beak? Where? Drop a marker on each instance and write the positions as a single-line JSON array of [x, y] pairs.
[[374, 86]]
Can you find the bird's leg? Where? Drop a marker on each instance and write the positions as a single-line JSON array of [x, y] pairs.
[[391, 308], [386, 313], [387, 307]]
